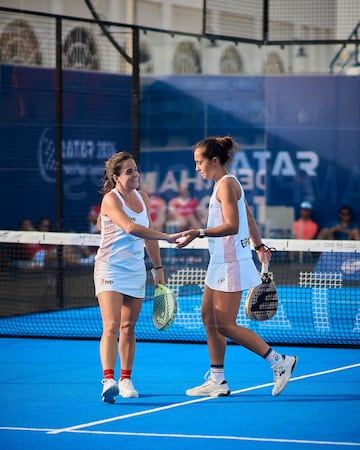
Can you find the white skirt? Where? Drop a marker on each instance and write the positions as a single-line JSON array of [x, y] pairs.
[[232, 277], [126, 280]]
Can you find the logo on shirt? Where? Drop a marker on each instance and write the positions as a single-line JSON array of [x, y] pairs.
[[105, 282], [245, 242]]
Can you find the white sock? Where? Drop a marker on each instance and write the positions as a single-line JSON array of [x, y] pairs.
[[217, 374], [273, 357]]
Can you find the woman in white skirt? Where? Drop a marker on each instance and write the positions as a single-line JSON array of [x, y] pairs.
[[119, 272], [230, 229]]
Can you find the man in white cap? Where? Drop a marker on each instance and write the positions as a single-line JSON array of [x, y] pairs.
[[305, 227]]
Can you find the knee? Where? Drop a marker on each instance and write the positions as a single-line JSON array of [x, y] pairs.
[[111, 327], [127, 329], [224, 325], [223, 329], [207, 318]]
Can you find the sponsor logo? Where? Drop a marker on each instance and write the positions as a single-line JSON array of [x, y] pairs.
[[245, 242], [350, 266], [106, 282]]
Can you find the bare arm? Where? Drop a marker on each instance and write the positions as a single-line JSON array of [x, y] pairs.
[[112, 207], [263, 254], [227, 194], [254, 231], [153, 250]]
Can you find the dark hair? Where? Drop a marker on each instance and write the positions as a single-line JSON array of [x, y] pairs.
[[220, 147], [113, 167], [40, 223], [346, 208]]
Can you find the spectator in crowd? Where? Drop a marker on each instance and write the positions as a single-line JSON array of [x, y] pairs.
[[157, 208], [92, 219], [44, 224], [344, 228], [305, 227], [184, 210], [72, 254], [33, 254]]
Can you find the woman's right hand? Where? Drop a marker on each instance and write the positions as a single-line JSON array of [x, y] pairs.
[[174, 237]]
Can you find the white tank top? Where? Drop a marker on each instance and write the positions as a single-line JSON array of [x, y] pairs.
[[117, 246], [228, 248]]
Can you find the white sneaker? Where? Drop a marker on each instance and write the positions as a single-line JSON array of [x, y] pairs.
[[282, 373], [209, 389], [127, 389], [110, 390]]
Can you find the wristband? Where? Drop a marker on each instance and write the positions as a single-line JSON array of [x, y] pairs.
[[157, 268], [258, 247], [201, 233]]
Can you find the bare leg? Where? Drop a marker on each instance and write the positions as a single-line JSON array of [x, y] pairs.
[[226, 306], [130, 311], [216, 342], [110, 307]]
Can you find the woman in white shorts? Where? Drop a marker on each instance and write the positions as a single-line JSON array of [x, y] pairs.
[[119, 272], [230, 230]]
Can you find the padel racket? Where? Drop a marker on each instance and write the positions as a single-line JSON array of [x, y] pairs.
[[164, 308], [261, 302]]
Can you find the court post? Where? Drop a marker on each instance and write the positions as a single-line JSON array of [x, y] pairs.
[[58, 161]]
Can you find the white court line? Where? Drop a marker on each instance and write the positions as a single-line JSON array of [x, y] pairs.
[[194, 436], [189, 402]]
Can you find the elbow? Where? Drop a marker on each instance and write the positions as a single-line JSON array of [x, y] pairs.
[[130, 228], [232, 230]]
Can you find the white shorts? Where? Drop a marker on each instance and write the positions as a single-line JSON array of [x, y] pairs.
[[232, 277], [125, 280]]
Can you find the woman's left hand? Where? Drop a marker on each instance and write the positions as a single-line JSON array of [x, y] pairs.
[[158, 276], [187, 237]]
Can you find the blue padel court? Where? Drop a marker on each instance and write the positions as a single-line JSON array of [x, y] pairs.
[[51, 399]]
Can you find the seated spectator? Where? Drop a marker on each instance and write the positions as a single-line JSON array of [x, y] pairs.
[[92, 219], [185, 210], [29, 255], [44, 224], [157, 208], [344, 228], [72, 254], [305, 227]]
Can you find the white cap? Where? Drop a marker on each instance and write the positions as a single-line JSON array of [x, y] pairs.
[[306, 205]]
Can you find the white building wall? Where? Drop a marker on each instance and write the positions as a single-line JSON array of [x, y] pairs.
[[186, 16]]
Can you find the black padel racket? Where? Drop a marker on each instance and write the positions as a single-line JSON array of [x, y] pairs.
[[262, 301]]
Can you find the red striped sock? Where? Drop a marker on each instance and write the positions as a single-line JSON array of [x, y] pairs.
[[109, 373], [125, 374]]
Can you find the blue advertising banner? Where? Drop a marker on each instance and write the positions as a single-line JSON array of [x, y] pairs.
[[96, 123], [299, 138]]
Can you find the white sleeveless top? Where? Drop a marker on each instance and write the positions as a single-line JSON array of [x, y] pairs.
[[118, 247], [228, 248]]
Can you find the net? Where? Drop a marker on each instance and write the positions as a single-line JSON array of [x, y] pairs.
[[46, 290]]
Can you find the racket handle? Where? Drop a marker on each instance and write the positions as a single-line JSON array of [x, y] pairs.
[[265, 267]]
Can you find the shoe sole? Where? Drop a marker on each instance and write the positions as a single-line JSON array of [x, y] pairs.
[[292, 370], [220, 394], [109, 395], [129, 396]]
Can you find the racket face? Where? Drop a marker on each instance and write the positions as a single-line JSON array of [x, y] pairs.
[[261, 302], [164, 308]]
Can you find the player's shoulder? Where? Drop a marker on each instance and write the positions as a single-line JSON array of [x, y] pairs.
[[144, 195], [230, 183]]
